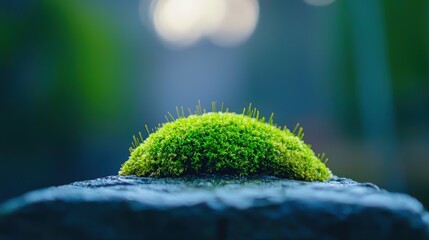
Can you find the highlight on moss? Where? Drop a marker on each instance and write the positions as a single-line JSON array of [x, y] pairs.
[[223, 142]]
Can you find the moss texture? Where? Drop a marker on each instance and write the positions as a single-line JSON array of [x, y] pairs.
[[224, 143]]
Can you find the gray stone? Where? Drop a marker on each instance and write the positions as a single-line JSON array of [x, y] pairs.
[[213, 207]]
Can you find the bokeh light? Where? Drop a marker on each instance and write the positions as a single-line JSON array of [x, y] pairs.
[[184, 22], [238, 23]]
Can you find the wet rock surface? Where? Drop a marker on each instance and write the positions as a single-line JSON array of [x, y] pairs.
[[213, 207]]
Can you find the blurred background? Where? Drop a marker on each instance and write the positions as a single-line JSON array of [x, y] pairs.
[[79, 78]]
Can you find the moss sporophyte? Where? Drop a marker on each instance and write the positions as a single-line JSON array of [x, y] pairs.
[[223, 142]]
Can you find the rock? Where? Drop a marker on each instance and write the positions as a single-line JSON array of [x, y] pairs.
[[213, 208]]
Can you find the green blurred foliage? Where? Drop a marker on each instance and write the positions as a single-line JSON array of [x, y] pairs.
[[78, 58], [65, 73], [407, 29]]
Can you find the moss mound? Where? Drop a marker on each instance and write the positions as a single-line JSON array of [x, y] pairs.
[[224, 143]]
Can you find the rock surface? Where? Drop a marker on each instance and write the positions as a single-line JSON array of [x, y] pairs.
[[213, 208]]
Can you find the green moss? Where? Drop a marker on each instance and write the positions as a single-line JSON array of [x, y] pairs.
[[224, 143]]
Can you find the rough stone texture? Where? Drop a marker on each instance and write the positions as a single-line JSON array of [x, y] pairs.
[[213, 208]]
